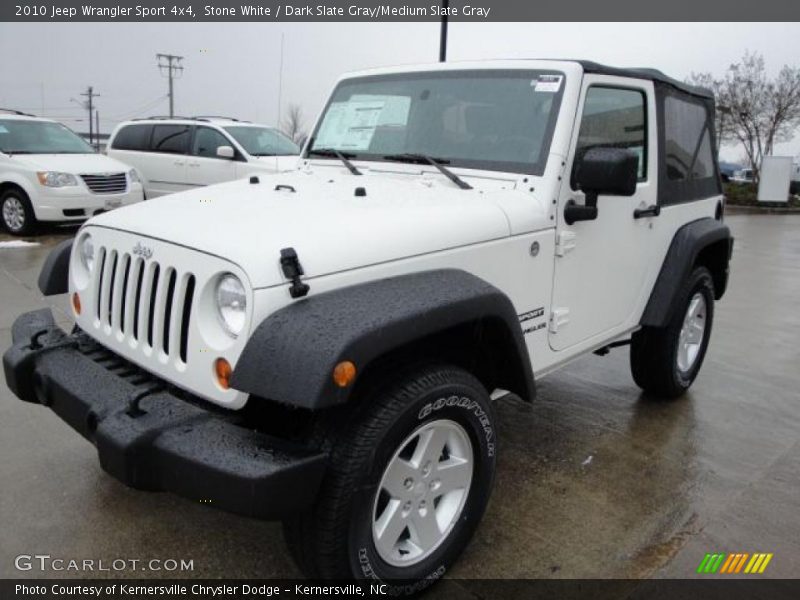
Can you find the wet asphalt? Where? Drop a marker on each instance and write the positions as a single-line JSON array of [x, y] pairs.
[[594, 479]]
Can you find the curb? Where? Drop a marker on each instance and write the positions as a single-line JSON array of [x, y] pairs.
[[732, 209]]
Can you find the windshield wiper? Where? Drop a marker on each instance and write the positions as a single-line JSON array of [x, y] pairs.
[[436, 162], [344, 157], [12, 152], [263, 154]]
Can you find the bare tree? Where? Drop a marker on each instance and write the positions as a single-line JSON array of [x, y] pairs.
[[293, 126], [722, 125], [753, 109]]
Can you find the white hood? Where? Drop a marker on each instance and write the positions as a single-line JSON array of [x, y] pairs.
[[330, 227], [78, 164]]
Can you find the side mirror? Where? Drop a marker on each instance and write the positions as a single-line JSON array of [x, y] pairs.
[[607, 171], [225, 152]]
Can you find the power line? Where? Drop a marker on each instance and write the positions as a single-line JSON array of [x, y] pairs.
[[81, 106], [142, 108], [40, 108], [171, 65]]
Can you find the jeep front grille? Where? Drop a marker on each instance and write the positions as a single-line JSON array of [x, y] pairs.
[[112, 183], [144, 303]]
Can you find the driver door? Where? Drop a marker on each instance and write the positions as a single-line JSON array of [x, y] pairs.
[[601, 265]]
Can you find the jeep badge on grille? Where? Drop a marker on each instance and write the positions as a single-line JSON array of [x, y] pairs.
[[141, 250]]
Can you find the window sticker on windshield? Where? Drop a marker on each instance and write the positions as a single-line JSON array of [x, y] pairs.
[[395, 108], [547, 83], [349, 125], [3, 129]]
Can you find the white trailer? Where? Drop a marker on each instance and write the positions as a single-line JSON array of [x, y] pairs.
[[775, 177]]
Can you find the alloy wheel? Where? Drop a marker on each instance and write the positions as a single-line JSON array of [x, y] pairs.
[[422, 492]]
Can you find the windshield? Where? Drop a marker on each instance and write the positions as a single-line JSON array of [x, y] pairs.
[[481, 119], [19, 136], [262, 141]]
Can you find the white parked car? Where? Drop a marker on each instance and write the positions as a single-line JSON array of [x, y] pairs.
[[176, 154], [455, 232], [48, 173]]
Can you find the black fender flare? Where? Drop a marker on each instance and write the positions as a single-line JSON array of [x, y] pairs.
[[54, 276], [691, 242], [291, 355]]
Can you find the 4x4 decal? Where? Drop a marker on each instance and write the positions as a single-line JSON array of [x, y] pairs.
[[529, 316]]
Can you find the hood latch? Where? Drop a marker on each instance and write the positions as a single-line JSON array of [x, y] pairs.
[[293, 270]]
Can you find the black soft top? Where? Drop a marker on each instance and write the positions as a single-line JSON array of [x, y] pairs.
[[645, 73]]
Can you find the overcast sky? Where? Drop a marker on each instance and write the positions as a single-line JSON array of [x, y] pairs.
[[233, 69]]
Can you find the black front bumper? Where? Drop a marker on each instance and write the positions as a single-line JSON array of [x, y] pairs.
[[161, 441]]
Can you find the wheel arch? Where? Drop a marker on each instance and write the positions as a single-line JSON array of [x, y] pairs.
[[705, 242], [11, 182], [715, 257], [21, 188], [447, 315], [54, 276], [482, 346]]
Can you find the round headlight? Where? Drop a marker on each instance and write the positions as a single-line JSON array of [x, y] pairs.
[[86, 251], [133, 175], [231, 304]]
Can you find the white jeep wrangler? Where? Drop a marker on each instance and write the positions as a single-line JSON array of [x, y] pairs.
[[321, 346]]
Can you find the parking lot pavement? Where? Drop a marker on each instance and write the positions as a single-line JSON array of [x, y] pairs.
[[594, 480]]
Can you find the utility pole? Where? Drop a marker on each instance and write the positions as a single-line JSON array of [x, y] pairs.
[[90, 96], [280, 85], [170, 65], [443, 33]]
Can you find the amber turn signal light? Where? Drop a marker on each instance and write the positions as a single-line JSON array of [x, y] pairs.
[[76, 303], [344, 373], [223, 370]]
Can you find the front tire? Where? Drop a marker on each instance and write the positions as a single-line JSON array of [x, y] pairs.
[[16, 212], [666, 360], [408, 480]]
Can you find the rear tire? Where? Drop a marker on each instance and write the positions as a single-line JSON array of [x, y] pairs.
[[16, 212], [409, 476], [666, 360]]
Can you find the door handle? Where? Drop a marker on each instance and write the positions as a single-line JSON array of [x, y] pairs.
[[179, 163], [650, 211]]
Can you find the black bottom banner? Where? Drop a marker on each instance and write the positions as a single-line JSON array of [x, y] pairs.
[[506, 589]]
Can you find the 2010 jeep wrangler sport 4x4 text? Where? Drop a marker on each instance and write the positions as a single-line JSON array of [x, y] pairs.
[[321, 346]]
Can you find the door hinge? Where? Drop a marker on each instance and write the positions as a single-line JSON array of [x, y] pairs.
[[558, 318], [565, 242]]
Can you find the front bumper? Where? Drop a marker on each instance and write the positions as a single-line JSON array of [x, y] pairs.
[[51, 203], [160, 442]]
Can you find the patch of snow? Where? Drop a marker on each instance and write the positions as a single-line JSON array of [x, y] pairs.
[[17, 244]]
